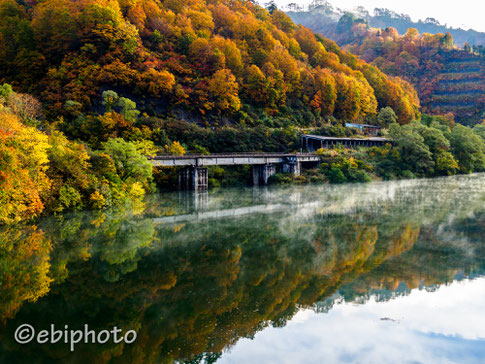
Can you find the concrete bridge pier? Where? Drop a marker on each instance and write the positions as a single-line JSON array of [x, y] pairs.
[[292, 167], [193, 178], [262, 173]]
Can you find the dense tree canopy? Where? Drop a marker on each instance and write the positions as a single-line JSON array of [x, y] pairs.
[[208, 56], [42, 171]]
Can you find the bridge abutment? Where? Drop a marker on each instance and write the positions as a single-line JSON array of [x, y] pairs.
[[193, 178]]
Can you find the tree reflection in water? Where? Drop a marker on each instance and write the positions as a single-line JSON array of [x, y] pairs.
[[192, 280]]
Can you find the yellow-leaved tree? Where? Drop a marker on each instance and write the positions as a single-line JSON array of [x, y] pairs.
[[224, 88], [23, 166], [175, 149]]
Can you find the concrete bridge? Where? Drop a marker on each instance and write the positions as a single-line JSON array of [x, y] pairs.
[[193, 174]]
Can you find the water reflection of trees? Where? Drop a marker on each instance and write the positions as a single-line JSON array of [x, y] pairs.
[[196, 288], [24, 268], [443, 253]]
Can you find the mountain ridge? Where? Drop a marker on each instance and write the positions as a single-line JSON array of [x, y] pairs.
[[381, 18]]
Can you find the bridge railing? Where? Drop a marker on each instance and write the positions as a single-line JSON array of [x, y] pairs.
[[229, 155]]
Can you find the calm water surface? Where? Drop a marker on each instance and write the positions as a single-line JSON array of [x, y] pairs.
[[390, 272]]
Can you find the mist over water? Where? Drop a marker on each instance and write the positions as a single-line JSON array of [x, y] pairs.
[[333, 273]]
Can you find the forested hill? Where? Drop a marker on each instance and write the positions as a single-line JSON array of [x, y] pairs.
[[448, 79], [217, 60], [322, 17]]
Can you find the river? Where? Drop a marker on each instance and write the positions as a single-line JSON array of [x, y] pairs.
[[384, 272]]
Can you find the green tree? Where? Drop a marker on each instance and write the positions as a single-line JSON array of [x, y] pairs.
[[468, 148], [480, 131], [130, 165], [110, 99], [415, 155], [386, 116], [433, 138], [335, 175], [446, 164], [5, 91], [439, 145], [128, 109]]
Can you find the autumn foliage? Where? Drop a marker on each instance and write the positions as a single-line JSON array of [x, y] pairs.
[[45, 172], [210, 57], [447, 79], [23, 166]]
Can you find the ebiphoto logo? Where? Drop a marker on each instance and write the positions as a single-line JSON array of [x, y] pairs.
[[25, 334]]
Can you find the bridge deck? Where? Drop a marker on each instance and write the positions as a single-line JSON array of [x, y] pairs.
[[315, 142], [232, 159]]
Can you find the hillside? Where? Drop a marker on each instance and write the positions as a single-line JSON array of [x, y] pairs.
[[460, 86], [323, 18], [448, 79], [212, 62]]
